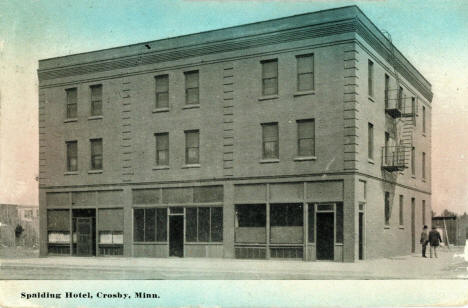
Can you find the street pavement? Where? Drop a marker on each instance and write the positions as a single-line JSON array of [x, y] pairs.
[[451, 264]]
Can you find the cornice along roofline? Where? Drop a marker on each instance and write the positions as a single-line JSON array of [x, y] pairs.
[[293, 28]]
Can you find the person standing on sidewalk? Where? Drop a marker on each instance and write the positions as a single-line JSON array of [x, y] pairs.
[[434, 240], [424, 240]]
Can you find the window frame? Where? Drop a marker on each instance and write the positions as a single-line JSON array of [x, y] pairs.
[[276, 154], [401, 211], [387, 209], [157, 159], [299, 139], [68, 165], [312, 72], [370, 78], [424, 119], [370, 141], [93, 143], [94, 100], [197, 224], [157, 91], [187, 149], [70, 104], [423, 169], [156, 223], [187, 88], [274, 78]]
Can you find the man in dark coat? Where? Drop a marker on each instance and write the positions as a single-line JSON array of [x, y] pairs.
[[424, 240], [434, 240]]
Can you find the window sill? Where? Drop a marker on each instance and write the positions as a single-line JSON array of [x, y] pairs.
[[424, 181], [95, 171], [95, 117], [191, 166], [370, 161], [424, 134], [268, 161], [194, 106], [371, 99], [268, 97], [413, 177], [157, 110], [71, 173], [305, 158], [302, 93], [339, 244], [401, 227], [70, 120], [386, 227], [160, 167]]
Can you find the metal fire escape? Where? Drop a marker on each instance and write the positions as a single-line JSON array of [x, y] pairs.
[[403, 111]]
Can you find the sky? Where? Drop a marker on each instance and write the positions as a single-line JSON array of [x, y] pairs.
[[432, 34]]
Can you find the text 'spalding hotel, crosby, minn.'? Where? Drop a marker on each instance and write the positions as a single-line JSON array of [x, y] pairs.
[[305, 137]]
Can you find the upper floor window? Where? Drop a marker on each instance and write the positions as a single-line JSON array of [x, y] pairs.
[[162, 91], [192, 88], [162, 149], [423, 212], [413, 163], [423, 165], [72, 104], [270, 77], [424, 119], [192, 147], [370, 78], [72, 155], [96, 154], [306, 137], [387, 90], [270, 140], [400, 97], [370, 140], [305, 72], [96, 100]]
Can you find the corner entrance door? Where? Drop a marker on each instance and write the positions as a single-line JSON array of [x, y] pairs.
[[84, 243], [361, 236], [325, 236], [176, 236]]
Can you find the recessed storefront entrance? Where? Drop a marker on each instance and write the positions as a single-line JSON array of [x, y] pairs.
[[176, 235], [84, 232], [325, 236]]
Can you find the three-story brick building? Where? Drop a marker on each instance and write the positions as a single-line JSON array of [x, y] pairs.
[[301, 137]]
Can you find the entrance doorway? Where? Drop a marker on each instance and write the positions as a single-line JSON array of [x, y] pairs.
[[325, 236], [84, 232], [361, 235], [176, 236]]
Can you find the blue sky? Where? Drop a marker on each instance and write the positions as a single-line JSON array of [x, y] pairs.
[[432, 34]]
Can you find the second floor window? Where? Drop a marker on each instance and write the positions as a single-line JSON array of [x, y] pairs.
[[192, 147], [270, 77], [413, 164], [192, 88], [370, 141], [72, 104], [387, 208], [401, 211], [305, 72], [96, 154], [386, 90], [270, 141], [162, 91], [162, 149], [424, 119], [423, 165], [306, 138], [72, 155], [96, 100]]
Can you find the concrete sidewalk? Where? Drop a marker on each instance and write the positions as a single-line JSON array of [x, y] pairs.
[[449, 265]]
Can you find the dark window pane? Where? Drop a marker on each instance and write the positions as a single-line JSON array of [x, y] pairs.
[[71, 103], [162, 149], [311, 223], [191, 224], [305, 82], [72, 156], [286, 215], [270, 69], [162, 100], [138, 225], [339, 222], [270, 77], [96, 154], [161, 233], [305, 64], [203, 224], [270, 86], [251, 215], [306, 147], [96, 100], [217, 224], [150, 225], [278, 215], [387, 208]]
